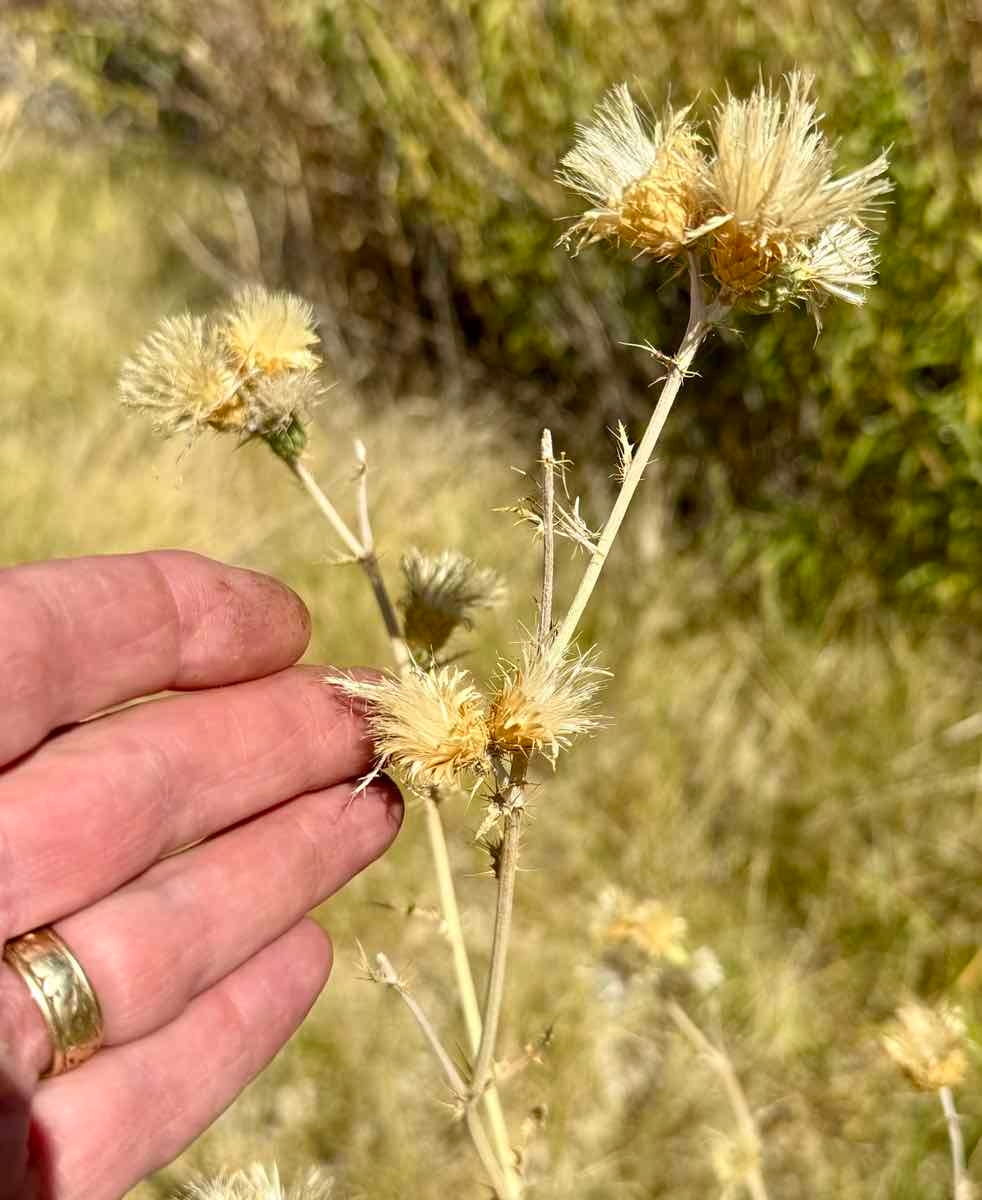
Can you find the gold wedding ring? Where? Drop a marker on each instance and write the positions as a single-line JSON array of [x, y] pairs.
[[59, 987]]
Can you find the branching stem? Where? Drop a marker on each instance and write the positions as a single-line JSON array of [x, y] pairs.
[[466, 991], [701, 320], [475, 1127], [719, 1062], [363, 550]]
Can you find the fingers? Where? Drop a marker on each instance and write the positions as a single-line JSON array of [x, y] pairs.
[[155, 1095], [192, 919], [98, 805], [83, 635]]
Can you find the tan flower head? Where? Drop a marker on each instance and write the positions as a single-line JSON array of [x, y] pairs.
[[640, 175], [430, 725], [842, 264], [258, 1183], [648, 926], [270, 332], [181, 376], [273, 401], [542, 705], [927, 1044], [442, 591], [771, 179]]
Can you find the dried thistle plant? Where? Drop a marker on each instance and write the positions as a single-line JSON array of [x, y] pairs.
[[928, 1044], [260, 1183], [770, 183], [248, 371], [759, 218], [442, 593], [270, 333], [648, 927], [642, 176], [541, 705], [430, 726]]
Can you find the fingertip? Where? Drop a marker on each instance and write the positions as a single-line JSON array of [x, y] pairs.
[[384, 796], [250, 622], [315, 955]]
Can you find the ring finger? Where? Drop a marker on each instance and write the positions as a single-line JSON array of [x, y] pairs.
[[151, 947]]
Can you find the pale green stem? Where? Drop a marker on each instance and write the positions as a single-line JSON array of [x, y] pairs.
[[507, 870], [548, 539], [388, 976], [719, 1061], [701, 321], [962, 1188], [466, 990], [330, 513]]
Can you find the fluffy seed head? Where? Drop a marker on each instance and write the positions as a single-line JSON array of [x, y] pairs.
[[429, 725], [258, 1183], [842, 264], [542, 706], [270, 332], [442, 591], [927, 1044], [647, 926], [771, 182], [640, 175], [273, 401], [182, 377]]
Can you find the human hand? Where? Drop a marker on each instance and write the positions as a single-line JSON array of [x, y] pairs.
[[203, 962]]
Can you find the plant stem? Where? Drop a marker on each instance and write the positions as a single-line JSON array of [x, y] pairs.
[[466, 990], [548, 539], [507, 870], [333, 517], [364, 554], [363, 550], [720, 1063], [387, 975], [962, 1188], [483, 1072], [701, 321]]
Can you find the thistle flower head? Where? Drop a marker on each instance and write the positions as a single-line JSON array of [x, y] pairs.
[[442, 591], [640, 175], [543, 705], [429, 725], [273, 401], [181, 376], [646, 926], [927, 1044], [270, 332], [258, 1183], [842, 264], [771, 183], [249, 371]]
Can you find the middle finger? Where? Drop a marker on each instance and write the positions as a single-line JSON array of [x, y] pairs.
[[192, 919], [96, 806]]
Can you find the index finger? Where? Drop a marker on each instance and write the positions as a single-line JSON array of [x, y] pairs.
[[79, 635]]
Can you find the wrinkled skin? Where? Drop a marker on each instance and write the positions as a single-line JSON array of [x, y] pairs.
[[203, 961]]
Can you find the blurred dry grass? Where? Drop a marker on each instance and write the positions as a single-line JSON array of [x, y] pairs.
[[811, 803]]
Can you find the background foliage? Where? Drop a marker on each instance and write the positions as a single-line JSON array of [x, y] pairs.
[[807, 796], [394, 162]]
